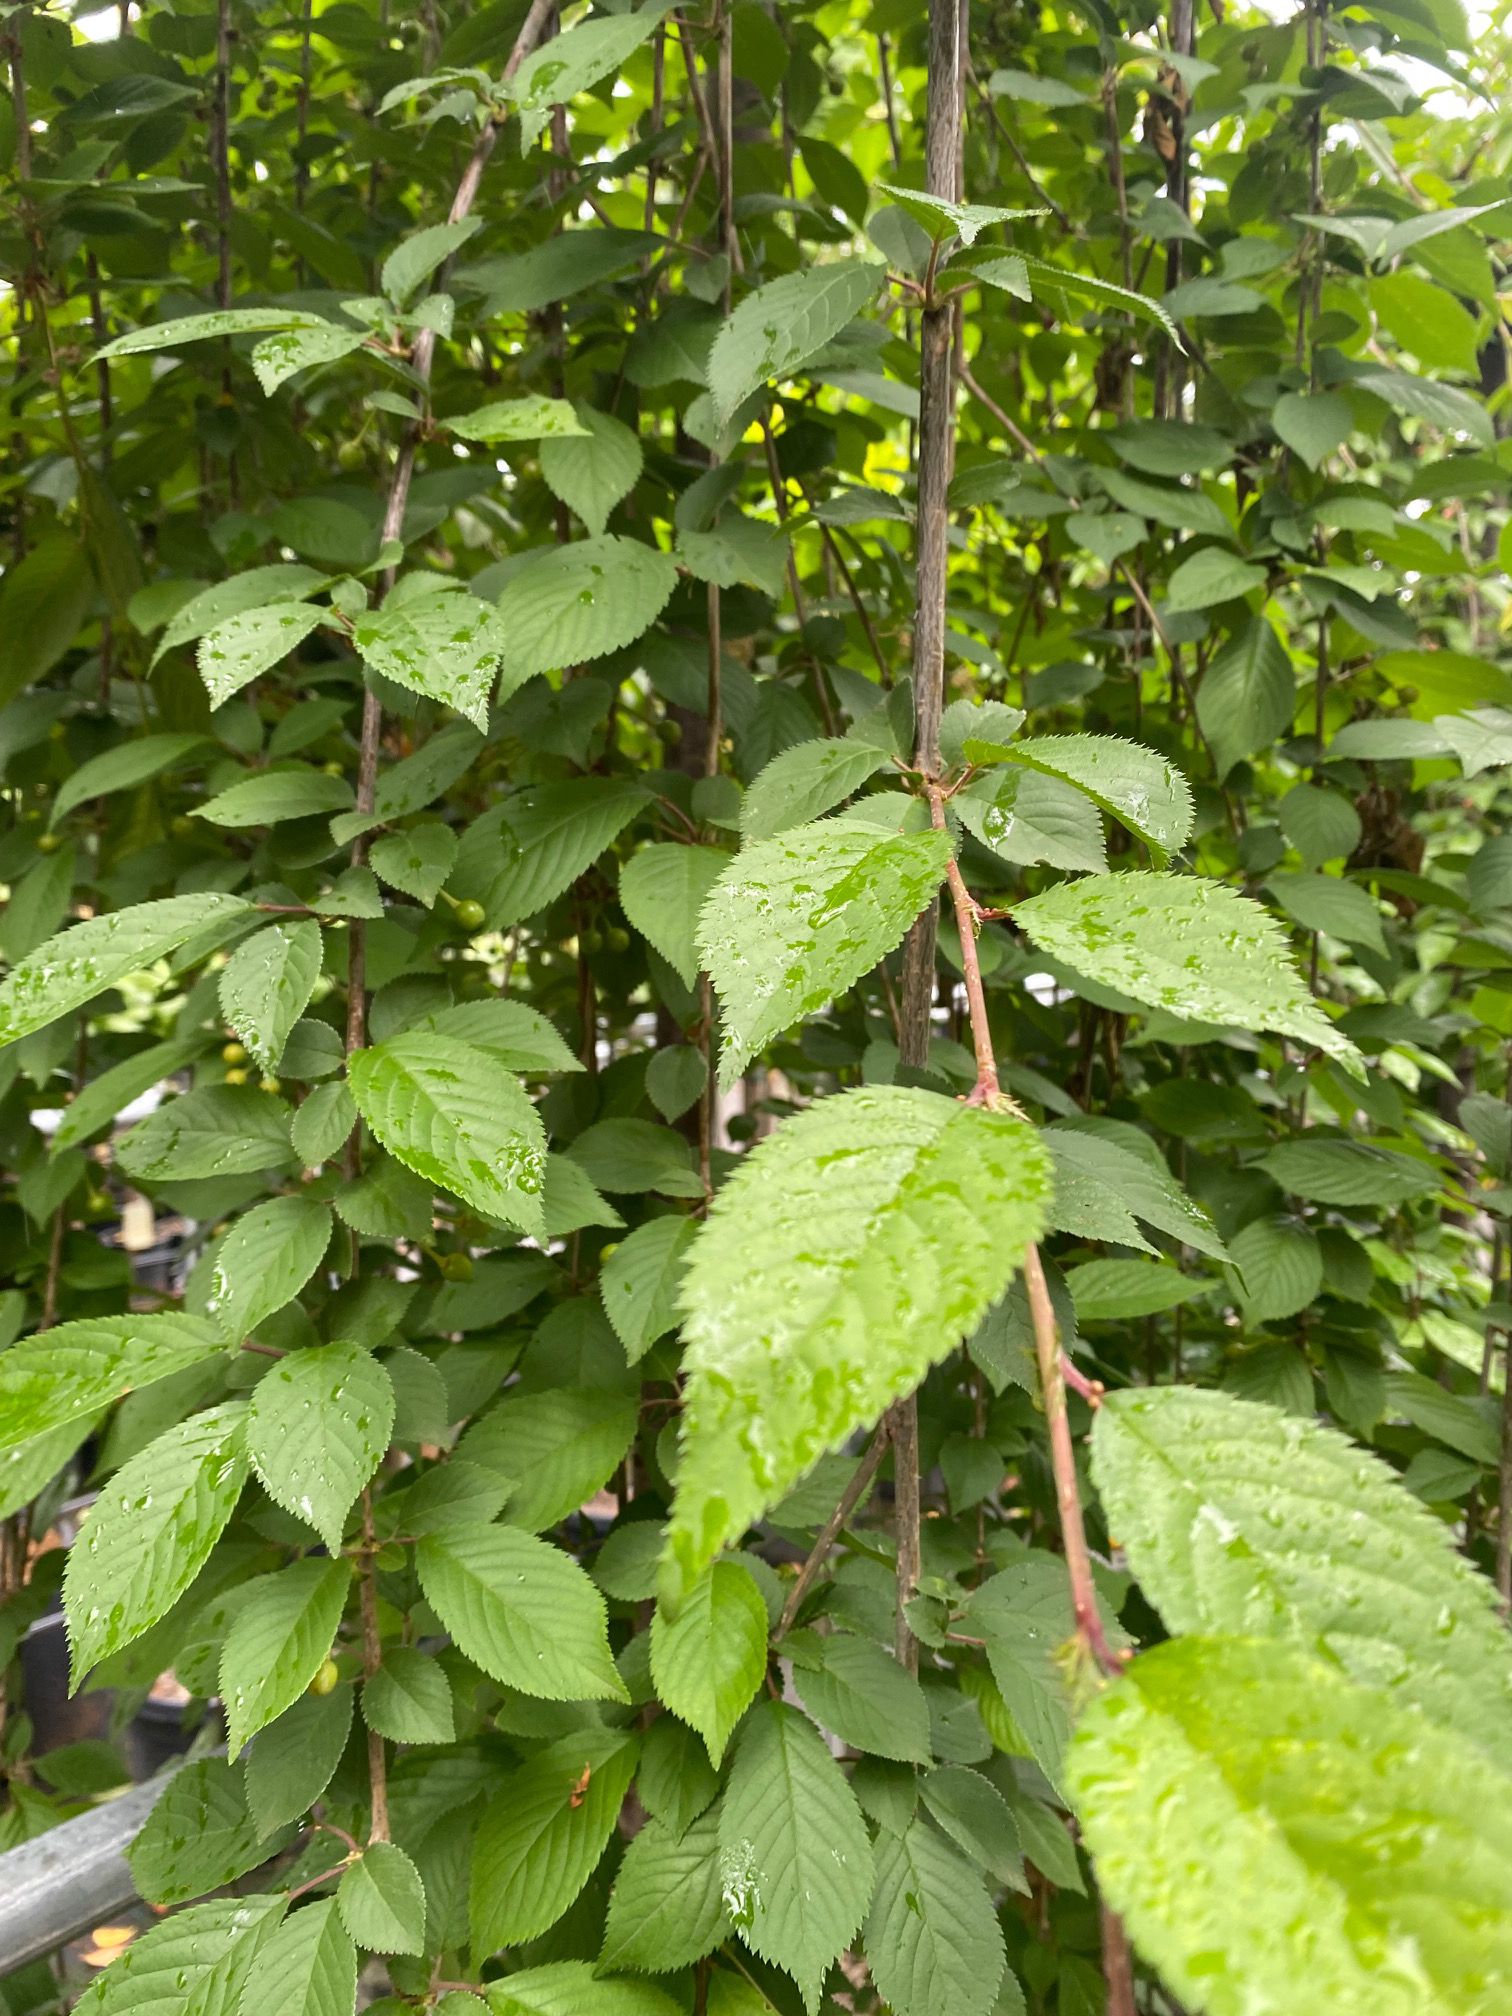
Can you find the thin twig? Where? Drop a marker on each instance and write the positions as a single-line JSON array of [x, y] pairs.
[[850, 1498], [372, 1659]]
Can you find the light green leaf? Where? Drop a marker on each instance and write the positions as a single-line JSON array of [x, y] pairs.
[[1024, 1613], [409, 1698], [78, 1369], [932, 1937], [557, 1447], [98, 1102], [517, 1034], [667, 1907], [571, 1988], [795, 1859], [522, 1610], [417, 860], [576, 61], [1229, 1512], [278, 357], [707, 1662], [267, 983], [319, 1422], [577, 602], [1026, 816], [662, 889], [152, 1975], [1139, 788], [237, 649], [541, 1837], [323, 1123], [382, 1901], [1113, 1291], [862, 1695], [530, 419], [1179, 942], [80, 963], [199, 1836], [1278, 1267], [413, 261], [264, 1260], [150, 1532], [307, 1968], [282, 582], [454, 1115], [1259, 1820], [1102, 1186], [1336, 1171], [594, 468], [1055, 284], [280, 1636], [526, 852], [796, 920], [738, 552], [889, 1219], [805, 782], [775, 331], [1313, 424], [942, 219], [1443, 406], [119, 769], [268, 797], [221, 1130], [200, 328], [292, 1761], [446, 646], [1213, 575], [639, 1281]]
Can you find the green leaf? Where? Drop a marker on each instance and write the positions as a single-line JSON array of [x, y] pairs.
[[707, 1663], [1193, 947], [280, 1636], [530, 419], [1313, 424], [221, 1130], [78, 1369], [576, 61], [1257, 1819], [454, 1115], [667, 1906], [318, 1425], [889, 1219], [284, 581], [1102, 1186], [795, 1859], [80, 963], [942, 219], [416, 861], [1349, 1172], [201, 328], [267, 984], [307, 1968], [977, 1818], [662, 889], [777, 329], [1025, 816], [412, 262], [541, 1838], [152, 1975], [639, 1281], [571, 1988], [121, 768], [409, 1698], [675, 1079], [294, 1759], [1279, 1268], [1327, 903], [277, 358], [796, 920], [932, 1937], [525, 853], [1139, 788], [445, 646], [382, 1901], [1055, 283], [1210, 576], [242, 646], [264, 1260], [518, 1035], [150, 1532], [1114, 1291], [522, 1610], [1443, 406], [323, 1123], [1322, 825], [557, 1448], [45, 599], [577, 602], [1024, 1613], [862, 1695], [593, 468], [199, 1836], [805, 782], [269, 797], [1230, 1515]]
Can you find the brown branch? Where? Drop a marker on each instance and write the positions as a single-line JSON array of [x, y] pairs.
[[968, 922], [372, 1659], [850, 1498]]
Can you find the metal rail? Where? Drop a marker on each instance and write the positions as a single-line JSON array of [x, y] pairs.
[[72, 1878]]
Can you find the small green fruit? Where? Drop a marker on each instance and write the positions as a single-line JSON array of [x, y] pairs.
[[325, 1680], [471, 914], [236, 1076]]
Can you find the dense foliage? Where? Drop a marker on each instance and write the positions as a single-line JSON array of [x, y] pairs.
[[756, 1014]]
